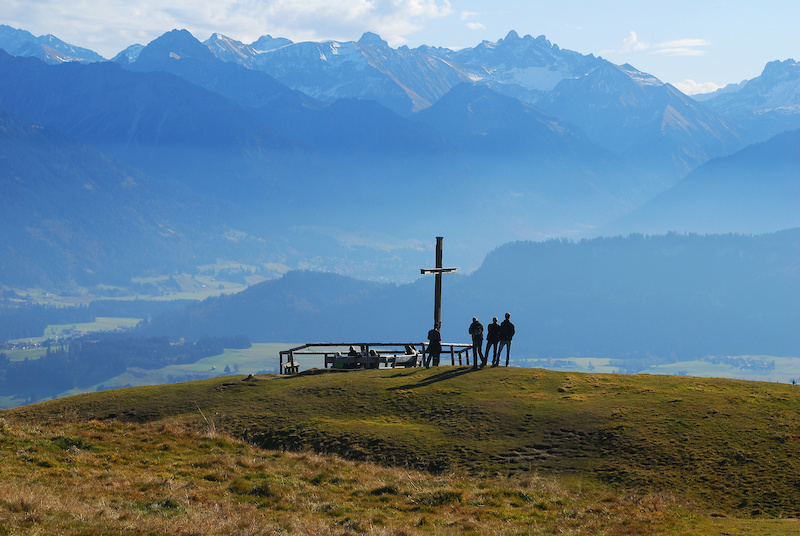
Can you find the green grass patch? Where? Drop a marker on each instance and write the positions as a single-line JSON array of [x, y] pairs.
[[728, 447]]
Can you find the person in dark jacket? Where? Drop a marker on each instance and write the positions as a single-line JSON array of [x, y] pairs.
[[506, 334], [492, 338], [476, 330], [434, 346]]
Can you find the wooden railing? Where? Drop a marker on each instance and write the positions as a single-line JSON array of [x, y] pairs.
[[370, 355]]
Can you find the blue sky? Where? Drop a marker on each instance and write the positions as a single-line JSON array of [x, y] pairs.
[[696, 45]]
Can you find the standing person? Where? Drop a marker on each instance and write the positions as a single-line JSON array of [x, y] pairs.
[[492, 338], [506, 334], [476, 330], [434, 346]]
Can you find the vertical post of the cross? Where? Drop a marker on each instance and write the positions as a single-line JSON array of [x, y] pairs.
[[437, 300], [438, 271]]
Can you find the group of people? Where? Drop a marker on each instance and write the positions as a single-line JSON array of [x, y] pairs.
[[497, 334]]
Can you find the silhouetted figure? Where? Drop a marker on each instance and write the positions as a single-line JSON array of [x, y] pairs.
[[492, 338], [506, 334], [434, 347], [476, 330]]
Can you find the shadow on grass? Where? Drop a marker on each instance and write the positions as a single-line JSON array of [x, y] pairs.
[[440, 377]]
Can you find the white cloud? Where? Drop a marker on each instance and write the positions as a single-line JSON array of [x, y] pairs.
[[326, 19], [685, 43], [677, 47], [109, 26], [679, 51], [682, 47], [633, 43], [468, 15], [690, 87]]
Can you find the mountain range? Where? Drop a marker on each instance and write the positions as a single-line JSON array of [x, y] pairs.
[[47, 48], [754, 190], [590, 92], [764, 106], [640, 299], [351, 156]]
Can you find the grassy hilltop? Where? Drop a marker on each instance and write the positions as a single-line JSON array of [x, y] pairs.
[[439, 451]]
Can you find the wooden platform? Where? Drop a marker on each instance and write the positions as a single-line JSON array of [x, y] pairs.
[[372, 355]]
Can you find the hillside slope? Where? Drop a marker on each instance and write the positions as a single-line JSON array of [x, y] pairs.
[[727, 446], [70, 215], [756, 189], [639, 299]]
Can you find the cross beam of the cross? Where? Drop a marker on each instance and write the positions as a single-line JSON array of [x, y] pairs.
[[438, 271]]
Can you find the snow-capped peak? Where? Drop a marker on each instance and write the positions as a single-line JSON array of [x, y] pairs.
[[641, 78]]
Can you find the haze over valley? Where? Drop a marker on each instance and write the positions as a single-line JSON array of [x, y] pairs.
[[616, 216]]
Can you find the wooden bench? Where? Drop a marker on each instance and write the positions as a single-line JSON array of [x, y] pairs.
[[405, 360]]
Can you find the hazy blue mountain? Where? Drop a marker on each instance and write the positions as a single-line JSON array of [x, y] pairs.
[[527, 150], [562, 82], [763, 106], [478, 119], [72, 217], [231, 50], [155, 121], [406, 79], [754, 190], [670, 296], [424, 78], [639, 299], [284, 195], [128, 55], [372, 154], [671, 135], [266, 43], [178, 52], [234, 51], [355, 126], [351, 185], [522, 67], [101, 102], [477, 166], [331, 70], [642, 119], [344, 125], [47, 48], [304, 305]]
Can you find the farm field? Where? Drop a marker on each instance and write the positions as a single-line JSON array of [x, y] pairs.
[[25, 353], [58, 331], [259, 358], [785, 370]]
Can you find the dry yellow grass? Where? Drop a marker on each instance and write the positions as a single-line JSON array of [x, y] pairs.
[[162, 478]]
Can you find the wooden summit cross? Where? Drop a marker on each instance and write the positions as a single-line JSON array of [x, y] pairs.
[[438, 271]]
